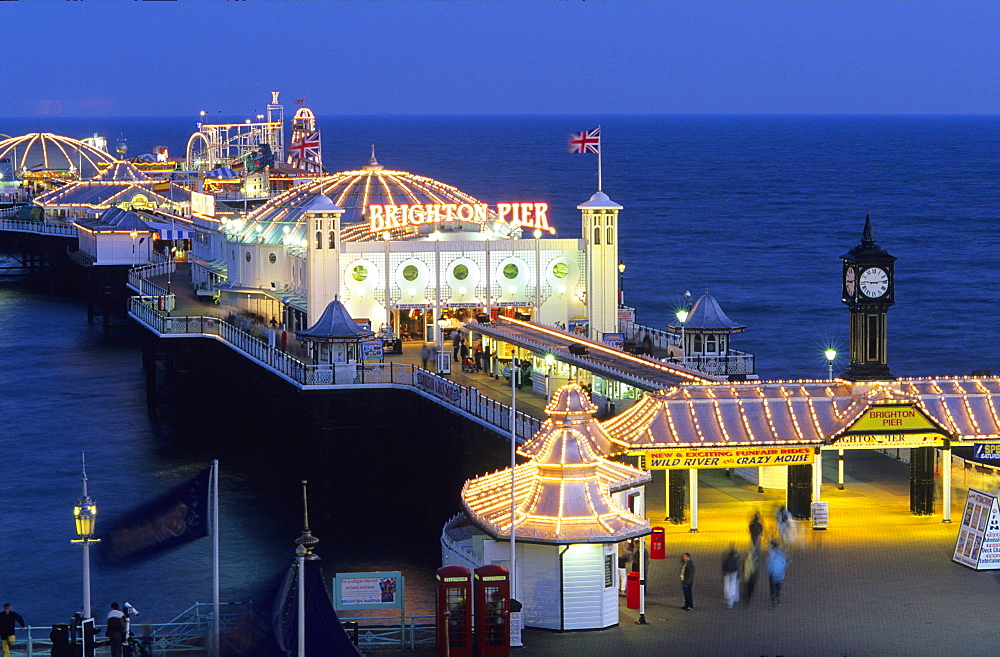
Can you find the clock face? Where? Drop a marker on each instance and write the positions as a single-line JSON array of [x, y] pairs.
[[874, 282], [849, 281]]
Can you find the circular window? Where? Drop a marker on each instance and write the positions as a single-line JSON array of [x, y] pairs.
[[359, 273], [272, 258], [410, 272], [460, 272], [248, 256], [510, 271], [560, 270]]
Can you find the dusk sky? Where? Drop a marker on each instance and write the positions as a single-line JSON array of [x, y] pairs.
[[572, 57]]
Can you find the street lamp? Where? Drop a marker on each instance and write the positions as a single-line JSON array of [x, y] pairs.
[[621, 284], [443, 360], [682, 317], [170, 270], [830, 354], [85, 514], [550, 361], [133, 234]]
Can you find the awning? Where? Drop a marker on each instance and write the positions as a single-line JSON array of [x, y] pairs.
[[170, 232]]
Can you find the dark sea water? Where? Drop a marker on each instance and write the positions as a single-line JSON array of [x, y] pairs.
[[754, 209]]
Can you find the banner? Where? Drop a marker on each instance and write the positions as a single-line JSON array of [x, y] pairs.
[[378, 590], [669, 459], [172, 519]]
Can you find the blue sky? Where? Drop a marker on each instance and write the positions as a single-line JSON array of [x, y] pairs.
[[572, 57]]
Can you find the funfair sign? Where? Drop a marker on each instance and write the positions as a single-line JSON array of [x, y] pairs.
[[528, 216]]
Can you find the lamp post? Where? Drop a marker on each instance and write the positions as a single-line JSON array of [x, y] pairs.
[[550, 361], [85, 514], [538, 275], [442, 356], [170, 270], [830, 354], [621, 284], [133, 234], [682, 317]]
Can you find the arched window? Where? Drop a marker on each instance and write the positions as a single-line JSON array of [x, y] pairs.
[[710, 344], [333, 240], [597, 236], [319, 239], [611, 236], [696, 346]]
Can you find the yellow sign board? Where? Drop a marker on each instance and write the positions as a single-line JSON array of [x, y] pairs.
[[726, 457], [891, 425]]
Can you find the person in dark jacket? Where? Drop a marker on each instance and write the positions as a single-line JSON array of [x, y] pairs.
[[687, 581], [730, 576], [756, 529], [116, 629], [8, 617]]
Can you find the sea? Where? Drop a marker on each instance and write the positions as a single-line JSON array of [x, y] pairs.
[[756, 210]]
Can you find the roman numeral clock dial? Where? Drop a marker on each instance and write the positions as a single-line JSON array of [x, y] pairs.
[[874, 282]]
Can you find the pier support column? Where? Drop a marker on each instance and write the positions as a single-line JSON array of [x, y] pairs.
[[799, 490], [922, 481], [693, 483], [817, 476], [840, 469], [946, 482]]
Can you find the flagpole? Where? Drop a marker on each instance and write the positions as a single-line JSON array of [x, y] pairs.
[[599, 185], [215, 558]]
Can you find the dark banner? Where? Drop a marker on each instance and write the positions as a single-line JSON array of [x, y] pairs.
[[172, 519]]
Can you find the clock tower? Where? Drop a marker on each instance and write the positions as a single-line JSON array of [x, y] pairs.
[[868, 289]]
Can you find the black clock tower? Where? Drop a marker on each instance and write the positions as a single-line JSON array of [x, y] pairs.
[[868, 289]]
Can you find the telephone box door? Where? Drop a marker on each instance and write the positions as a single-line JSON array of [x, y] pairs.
[[492, 610], [454, 611]]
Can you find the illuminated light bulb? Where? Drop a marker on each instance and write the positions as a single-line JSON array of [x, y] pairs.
[[512, 289], [461, 290], [411, 291], [562, 289]]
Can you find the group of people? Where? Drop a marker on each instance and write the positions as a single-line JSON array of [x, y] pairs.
[[117, 631]]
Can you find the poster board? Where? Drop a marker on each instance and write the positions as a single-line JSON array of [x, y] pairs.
[[978, 543], [378, 590]]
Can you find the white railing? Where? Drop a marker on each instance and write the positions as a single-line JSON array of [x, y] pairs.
[[660, 339], [37, 227], [467, 399], [736, 362]]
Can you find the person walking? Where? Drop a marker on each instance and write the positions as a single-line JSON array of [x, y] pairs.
[[456, 343], [751, 567], [116, 630], [625, 566], [687, 581], [8, 617], [730, 576], [425, 354], [756, 529], [478, 355], [776, 566]]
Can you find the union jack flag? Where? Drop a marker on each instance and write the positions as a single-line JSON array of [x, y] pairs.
[[588, 141], [306, 148]]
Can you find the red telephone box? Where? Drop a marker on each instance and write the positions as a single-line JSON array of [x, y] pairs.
[[492, 610], [454, 611], [657, 545]]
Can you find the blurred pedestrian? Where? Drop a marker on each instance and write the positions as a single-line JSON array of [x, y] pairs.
[[426, 352], [687, 581], [786, 528], [756, 529], [751, 568], [777, 563], [8, 617], [730, 576], [116, 630]]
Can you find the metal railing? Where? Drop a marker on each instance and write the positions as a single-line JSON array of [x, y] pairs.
[[37, 227], [187, 633], [408, 632], [468, 400], [736, 362]]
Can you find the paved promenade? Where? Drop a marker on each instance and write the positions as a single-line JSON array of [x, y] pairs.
[[879, 581]]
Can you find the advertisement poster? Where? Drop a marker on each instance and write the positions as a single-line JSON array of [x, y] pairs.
[[616, 340], [725, 457], [372, 350], [978, 544], [579, 326], [368, 590]]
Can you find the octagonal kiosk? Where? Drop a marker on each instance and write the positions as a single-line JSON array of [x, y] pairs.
[[334, 343]]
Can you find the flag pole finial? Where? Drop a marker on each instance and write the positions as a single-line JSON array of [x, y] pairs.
[[307, 541]]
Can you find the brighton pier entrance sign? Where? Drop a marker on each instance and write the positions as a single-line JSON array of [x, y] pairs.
[[890, 426], [529, 216]]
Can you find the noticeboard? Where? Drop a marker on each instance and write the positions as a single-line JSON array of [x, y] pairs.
[[378, 590], [986, 452], [978, 543], [820, 515]]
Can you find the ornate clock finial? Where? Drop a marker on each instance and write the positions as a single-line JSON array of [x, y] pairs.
[[868, 235]]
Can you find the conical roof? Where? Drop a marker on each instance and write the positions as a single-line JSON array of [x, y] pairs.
[[707, 316], [868, 249], [564, 494], [335, 325]]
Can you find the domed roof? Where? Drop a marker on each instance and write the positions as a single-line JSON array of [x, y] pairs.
[[355, 190], [40, 152]]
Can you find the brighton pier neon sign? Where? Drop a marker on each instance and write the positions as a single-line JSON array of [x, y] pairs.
[[529, 216]]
